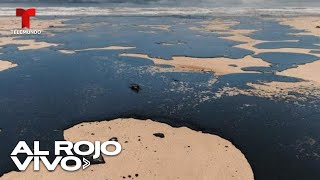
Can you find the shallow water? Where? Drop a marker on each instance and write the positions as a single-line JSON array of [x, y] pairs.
[[50, 91]]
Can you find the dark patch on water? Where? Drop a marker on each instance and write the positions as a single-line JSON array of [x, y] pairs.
[[273, 31], [135, 87], [315, 51], [304, 42], [282, 60]]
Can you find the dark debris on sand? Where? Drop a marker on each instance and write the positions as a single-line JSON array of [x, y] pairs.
[[130, 176], [99, 160], [113, 139], [233, 65], [159, 135]]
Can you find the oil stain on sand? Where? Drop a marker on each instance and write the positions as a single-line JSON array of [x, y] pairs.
[[242, 75], [152, 150]]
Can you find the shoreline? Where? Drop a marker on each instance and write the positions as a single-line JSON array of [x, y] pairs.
[[4, 65], [174, 153]]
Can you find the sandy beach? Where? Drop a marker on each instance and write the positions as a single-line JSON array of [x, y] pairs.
[[152, 150], [310, 24]]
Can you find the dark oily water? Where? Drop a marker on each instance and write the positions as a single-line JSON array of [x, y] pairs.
[[50, 91], [282, 60]]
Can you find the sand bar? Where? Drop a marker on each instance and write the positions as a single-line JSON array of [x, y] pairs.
[[310, 71], [224, 27], [220, 66], [158, 27], [25, 44], [181, 154], [309, 24], [10, 23], [4, 65], [284, 91], [94, 49]]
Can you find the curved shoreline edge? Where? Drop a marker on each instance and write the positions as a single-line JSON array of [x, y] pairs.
[[179, 153]]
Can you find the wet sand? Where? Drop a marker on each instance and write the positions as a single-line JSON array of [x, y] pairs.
[[153, 150]]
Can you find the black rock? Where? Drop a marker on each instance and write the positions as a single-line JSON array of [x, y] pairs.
[[99, 160], [135, 87], [159, 135], [233, 65], [113, 139]]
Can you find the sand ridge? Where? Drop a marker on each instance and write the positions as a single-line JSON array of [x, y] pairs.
[[153, 150], [25, 44], [4, 65], [220, 66], [224, 27], [250, 45], [157, 27], [94, 49]]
